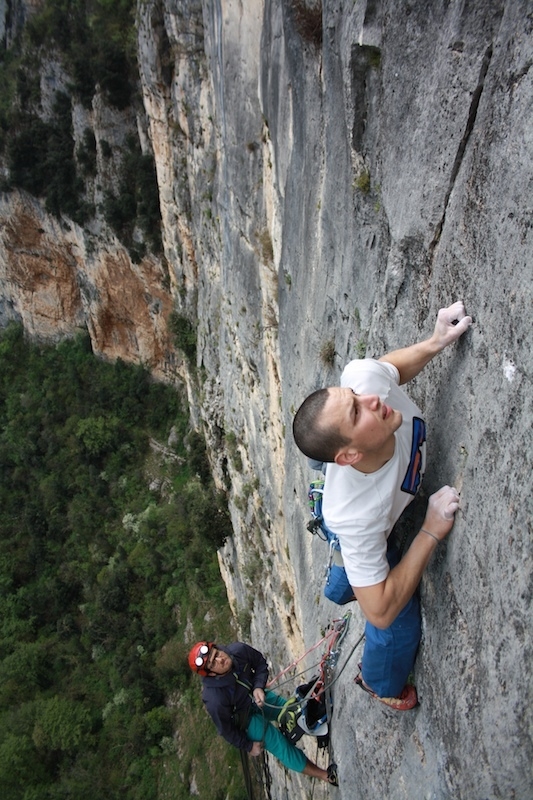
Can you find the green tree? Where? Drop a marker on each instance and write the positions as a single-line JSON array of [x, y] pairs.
[[19, 768], [99, 435], [61, 724]]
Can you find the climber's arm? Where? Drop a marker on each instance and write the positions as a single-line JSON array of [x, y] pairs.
[[451, 323], [382, 602]]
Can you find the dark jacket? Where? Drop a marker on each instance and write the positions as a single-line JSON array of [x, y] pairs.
[[228, 698]]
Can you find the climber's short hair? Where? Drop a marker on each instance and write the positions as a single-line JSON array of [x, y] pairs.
[[314, 437]]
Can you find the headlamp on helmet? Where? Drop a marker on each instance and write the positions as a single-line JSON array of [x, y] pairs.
[[198, 657]]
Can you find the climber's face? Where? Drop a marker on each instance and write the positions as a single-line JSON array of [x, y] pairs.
[[364, 421], [218, 662]]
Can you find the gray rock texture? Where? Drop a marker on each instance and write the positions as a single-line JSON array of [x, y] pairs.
[[322, 200], [396, 178]]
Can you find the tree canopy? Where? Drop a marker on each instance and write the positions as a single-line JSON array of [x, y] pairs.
[[107, 558]]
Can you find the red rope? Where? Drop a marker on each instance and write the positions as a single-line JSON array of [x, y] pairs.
[[320, 685], [332, 636]]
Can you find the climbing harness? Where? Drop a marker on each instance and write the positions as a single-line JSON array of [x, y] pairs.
[[337, 587]]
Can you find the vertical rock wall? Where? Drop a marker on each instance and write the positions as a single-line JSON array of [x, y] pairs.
[[357, 187]]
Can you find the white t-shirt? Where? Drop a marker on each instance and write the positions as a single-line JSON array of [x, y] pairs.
[[363, 508]]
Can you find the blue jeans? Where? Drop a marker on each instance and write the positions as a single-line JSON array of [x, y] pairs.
[[390, 653], [260, 729]]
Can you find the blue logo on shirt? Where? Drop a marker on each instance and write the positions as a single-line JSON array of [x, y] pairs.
[[412, 479]]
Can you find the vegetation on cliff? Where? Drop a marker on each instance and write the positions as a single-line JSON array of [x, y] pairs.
[[108, 569], [94, 41]]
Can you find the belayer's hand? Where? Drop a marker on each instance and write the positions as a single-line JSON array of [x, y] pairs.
[[451, 323], [257, 749], [259, 697]]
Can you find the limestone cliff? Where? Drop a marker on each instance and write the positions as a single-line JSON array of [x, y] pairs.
[[322, 198], [54, 283]]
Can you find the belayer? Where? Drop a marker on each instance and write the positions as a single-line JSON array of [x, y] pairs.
[[233, 691], [372, 437]]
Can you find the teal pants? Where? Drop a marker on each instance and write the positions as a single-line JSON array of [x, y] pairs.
[[260, 729]]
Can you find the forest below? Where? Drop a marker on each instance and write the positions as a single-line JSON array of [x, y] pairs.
[[109, 526]]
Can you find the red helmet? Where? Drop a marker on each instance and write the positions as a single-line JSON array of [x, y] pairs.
[[198, 655]]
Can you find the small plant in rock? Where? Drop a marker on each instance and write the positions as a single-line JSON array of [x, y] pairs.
[[307, 16], [232, 446], [265, 246], [185, 336], [360, 348], [244, 622], [86, 154], [363, 182], [253, 567], [286, 593], [327, 353]]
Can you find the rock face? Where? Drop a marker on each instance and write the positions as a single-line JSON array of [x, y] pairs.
[[54, 284], [320, 201]]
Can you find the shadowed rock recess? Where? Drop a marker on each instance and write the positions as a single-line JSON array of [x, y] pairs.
[[322, 196]]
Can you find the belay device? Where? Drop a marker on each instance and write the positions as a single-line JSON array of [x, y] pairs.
[[337, 587]]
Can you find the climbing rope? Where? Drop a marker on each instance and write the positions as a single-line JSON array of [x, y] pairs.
[[298, 660], [335, 636], [320, 689]]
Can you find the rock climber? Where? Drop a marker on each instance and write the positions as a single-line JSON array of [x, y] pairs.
[[233, 691], [372, 438]]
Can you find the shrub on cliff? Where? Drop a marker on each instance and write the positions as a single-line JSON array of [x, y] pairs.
[[40, 159], [95, 40], [136, 203], [185, 336], [307, 16]]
